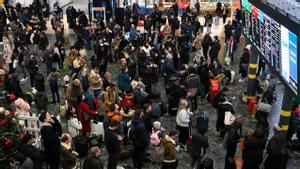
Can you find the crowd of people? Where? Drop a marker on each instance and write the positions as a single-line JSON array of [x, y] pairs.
[[170, 47]]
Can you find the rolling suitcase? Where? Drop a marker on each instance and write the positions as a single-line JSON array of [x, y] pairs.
[[202, 122]]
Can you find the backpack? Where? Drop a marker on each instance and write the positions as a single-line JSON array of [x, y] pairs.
[[154, 138], [53, 81]]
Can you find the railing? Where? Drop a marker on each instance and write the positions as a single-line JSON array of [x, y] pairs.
[[31, 125]]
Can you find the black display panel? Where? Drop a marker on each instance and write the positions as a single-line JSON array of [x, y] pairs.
[[276, 41]]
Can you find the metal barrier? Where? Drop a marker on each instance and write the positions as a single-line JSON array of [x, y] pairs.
[[31, 124]]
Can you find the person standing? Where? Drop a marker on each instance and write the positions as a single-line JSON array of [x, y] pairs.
[[231, 141], [275, 149], [32, 67], [254, 145], [206, 42], [50, 132], [169, 144], [198, 147], [113, 143], [140, 140], [224, 14], [53, 82], [228, 29], [124, 79], [93, 161], [183, 121], [68, 156], [215, 48], [95, 81]]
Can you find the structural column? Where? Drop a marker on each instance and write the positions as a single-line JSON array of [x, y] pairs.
[[286, 109], [252, 69]]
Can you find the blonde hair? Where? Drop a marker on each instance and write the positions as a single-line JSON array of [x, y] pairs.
[[182, 104]]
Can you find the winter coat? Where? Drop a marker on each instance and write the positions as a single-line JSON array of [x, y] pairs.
[[141, 137], [253, 152], [91, 162], [214, 50], [22, 107], [95, 80], [170, 151], [127, 100], [39, 82], [68, 158], [41, 102], [110, 97], [73, 93], [183, 118], [81, 109], [113, 145], [32, 66], [74, 126], [199, 144], [123, 81], [197, 42], [53, 79], [50, 134]]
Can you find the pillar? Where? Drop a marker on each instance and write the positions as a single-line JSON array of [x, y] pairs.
[[286, 109], [252, 70]]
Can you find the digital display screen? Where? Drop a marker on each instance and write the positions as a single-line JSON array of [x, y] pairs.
[[276, 43]]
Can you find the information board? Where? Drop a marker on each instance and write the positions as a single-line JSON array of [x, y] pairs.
[[276, 43]]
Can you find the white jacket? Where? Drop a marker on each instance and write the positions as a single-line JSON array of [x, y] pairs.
[[74, 126], [183, 118]]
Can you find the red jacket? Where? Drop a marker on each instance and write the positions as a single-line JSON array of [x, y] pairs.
[[81, 108]]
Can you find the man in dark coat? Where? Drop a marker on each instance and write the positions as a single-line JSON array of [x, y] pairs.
[[113, 145], [140, 140], [32, 67], [215, 48], [275, 147], [93, 160], [206, 42], [198, 146], [50, 132], [228, 28]]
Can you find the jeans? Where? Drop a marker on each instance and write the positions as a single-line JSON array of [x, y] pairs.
[[54, 91]]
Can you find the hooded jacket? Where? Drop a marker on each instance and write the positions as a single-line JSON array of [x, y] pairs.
[[170, 151]]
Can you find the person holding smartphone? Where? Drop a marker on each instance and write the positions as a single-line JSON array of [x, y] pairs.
[[113, 144]]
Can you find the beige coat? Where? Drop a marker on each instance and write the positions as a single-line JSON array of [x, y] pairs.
[[197, 42], [95, 80], [110, 98]]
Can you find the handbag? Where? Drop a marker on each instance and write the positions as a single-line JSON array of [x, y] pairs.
[[264, 107], [97, 129], [229, 118]]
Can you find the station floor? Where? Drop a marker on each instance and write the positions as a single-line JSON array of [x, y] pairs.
[[216, 150]]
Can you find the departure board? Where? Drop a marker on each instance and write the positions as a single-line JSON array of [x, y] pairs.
[[276, 43]]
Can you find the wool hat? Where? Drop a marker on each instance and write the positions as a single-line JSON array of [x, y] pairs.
[[156, 125]]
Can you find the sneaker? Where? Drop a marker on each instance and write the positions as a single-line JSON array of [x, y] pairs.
[[24, 79], [241, 80]]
